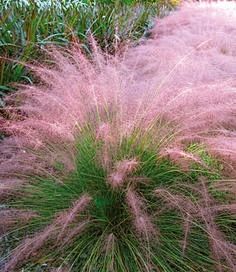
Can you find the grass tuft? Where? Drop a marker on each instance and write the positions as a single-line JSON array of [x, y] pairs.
[[117, 231]]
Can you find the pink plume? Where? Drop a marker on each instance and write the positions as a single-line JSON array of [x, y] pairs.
[[121, 172], [142, 221]]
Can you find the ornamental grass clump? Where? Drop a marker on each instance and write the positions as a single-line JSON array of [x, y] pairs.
[[103, 172]]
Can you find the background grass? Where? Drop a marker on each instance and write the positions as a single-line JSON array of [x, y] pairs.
[[28, 26]]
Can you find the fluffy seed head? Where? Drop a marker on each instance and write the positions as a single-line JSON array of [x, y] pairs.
[[142, 221], [53, 232], [122, 170]]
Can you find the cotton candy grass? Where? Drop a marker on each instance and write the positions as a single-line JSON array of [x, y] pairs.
[[126, 164]]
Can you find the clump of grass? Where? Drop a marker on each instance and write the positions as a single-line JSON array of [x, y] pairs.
[[154, 219], [104, 172], [105, 190]]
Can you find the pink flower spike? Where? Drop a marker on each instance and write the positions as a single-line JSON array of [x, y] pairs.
[[122, 170]]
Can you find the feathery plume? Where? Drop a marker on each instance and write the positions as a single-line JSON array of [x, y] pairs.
[[31, 246], [122, 170], [66, 218], [142, 221], [181, 158]]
